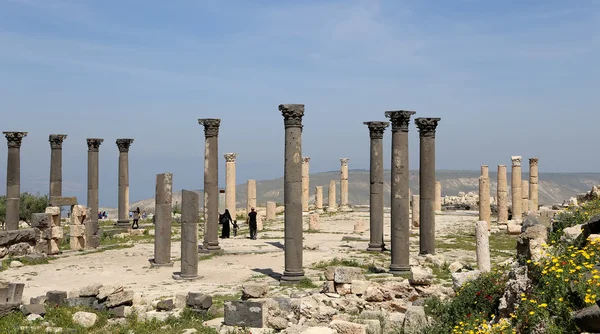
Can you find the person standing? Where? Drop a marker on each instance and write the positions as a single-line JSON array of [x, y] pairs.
[[136, 218], [252, 223], [225, 220]]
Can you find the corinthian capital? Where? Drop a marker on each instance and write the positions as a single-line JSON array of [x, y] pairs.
[[305, 160], [292, 114], [344, 161], [427, 126], [376, 128], [533, 161], [230, 157], [14, 139], [93, 144], [516, 160], [123, 144], [56, 141], [211, 126], [400, 119]]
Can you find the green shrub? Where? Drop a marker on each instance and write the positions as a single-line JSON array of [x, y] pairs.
[[28, 204]]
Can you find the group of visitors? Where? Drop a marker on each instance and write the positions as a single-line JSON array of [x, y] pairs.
[[225, 220]]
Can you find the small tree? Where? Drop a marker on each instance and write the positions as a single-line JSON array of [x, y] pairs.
[[176, 208], [29, 204]]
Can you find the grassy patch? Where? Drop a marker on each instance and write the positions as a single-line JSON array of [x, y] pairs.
[[219, 302], [336, 262], [347, 239], [25, 261]]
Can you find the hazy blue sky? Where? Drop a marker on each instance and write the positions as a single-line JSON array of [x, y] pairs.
[[507, 77]]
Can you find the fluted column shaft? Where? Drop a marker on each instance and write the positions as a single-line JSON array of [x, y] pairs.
[[13, 179], [400, 193], [376, 131], [92, 228], [211, 183], [427, 188], [292, 192]]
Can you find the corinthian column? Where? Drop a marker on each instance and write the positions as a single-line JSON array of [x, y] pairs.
[[376, 130], [56, 142], [13, 179], [344, 184], [305, 182], [92, 229], [427, 186], [484, 196], [292, 192], [400, 198], [211, 183], [517, 212], [230, 200], [533, 184], [123, 145]]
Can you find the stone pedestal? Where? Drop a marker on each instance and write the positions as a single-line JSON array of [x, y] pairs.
[[415, 211], [533, 184], [376, 130], [13, 179], [484, 196], [516, 195], [305, 182], [344, 184], [319, 198], [211, 183], [502, 195], [313, 222], [271, 213], [524, 196], [123, 145], [251, 192], [438, 196], [56, 142], [77, 236], [482, 243], [427, 185], [230, 200], [190, 209], [163, 220], [292, 114], [331, 202], [92, 228], [400, 200]]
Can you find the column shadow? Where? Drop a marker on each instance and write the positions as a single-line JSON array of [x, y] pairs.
[[268, 272]]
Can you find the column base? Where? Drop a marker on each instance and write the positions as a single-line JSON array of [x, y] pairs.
[[345, 208], [158, 265], [332, 210], [92, 242], [397, 270], [292, 277], [207, 249], [423, 253], [376, 248], [319, 211], [123, 223], [178, 277]]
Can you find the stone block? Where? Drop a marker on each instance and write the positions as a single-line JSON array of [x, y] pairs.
[[53, 210], [328, 287], [91, 290], [55, 232], [122, 311], [77, 230], [8, 238], [342, 326], [53, 247], [39, 300], [329, 273], [124, 297], [41, 220], [76, 243], [20, 249], [197, 300], [15, 292], [359, 287], [254, 290], [347, 274], [56, 298], [59, 201], [513, 229], [33, 309], [165, 305], [458, 279], [245, 314], [81, 301]]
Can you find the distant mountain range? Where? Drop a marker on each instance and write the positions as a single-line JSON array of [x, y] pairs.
[[553, 187]]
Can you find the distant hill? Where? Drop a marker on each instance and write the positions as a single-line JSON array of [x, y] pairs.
[[553, 187]]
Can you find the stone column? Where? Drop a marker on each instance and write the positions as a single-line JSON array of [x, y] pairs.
[[344, 184], [162, 223], [271, 210], [92, 229], [251, 192], [319, 198], [484, 196], [415, 210], [123, 145], [427, 184], [305, 182], [502, 195], [13, 179], [438, 196], [56, 142], [482, 244], [211, 183], [400, 210], [230, 200], [190, 209], [516, 189], [533, 184], [376, 130], [332, 203], [524, 196], [292, 189]]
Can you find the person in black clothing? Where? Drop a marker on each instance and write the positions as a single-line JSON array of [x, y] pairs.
[[225, 220], [252, 222], [136, 218]]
